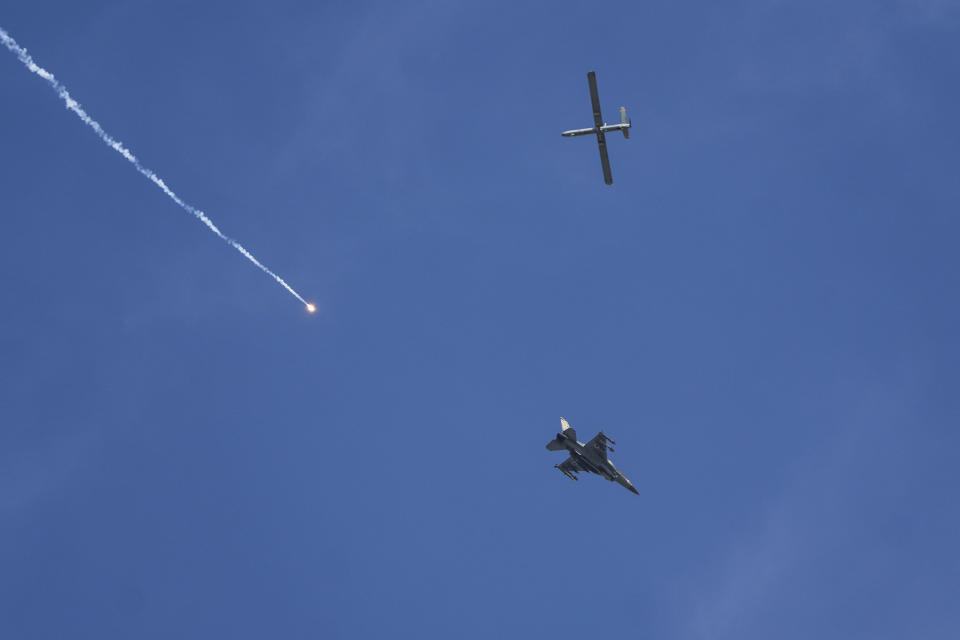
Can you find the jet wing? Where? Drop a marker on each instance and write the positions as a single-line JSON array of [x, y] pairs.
[[570, 466], [598, 444], [604, 158]]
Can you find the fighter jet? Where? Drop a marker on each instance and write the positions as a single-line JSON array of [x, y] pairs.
[[590, 457], [600, 128]]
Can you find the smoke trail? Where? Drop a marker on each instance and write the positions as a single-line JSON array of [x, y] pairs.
[[74, 106]]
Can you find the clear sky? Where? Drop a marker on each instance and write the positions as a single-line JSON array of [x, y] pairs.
[[762, 311]]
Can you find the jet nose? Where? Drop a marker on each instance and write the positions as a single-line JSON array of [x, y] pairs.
[[628, 485]]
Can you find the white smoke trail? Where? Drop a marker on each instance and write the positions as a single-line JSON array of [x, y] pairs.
[[74, 106]]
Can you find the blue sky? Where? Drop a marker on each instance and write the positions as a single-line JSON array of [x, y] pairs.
[[761, 310]]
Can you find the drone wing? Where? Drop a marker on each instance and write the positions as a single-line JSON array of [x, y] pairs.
[[604, 158], [595, 99], [598, 122]]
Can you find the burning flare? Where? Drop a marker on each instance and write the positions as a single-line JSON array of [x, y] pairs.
[[115, 144]]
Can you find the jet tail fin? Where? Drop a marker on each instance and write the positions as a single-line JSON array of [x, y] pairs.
[[624, 120], [555, 445], [567, 432]]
